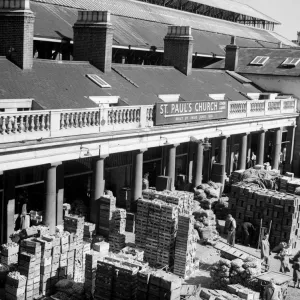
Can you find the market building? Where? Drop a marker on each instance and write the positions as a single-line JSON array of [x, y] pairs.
[[70, 129], [139, 28]]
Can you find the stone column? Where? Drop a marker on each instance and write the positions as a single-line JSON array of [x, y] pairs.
[[289, 148], [213, 155], [60, 195], [98, 189], [50, 205], [199, 164], [231, 153], [223, 150], [260, 148], [7, 206], [243, 152], [249, 149], [137, 178], [191, 162], [277, 147], [172, 164]]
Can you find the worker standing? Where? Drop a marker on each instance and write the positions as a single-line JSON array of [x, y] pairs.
[[272, 291], [296, 273], [265, 250], [248, 230], [231, 227], [284, 258]]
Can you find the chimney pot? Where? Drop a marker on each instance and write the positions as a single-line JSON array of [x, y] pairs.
[[233, 40], [231, 57], [178, 48]]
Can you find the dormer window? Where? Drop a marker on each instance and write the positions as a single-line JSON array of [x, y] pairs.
[[98, 80], [259, 60], [217, 96], [169, 97], [291, 62]]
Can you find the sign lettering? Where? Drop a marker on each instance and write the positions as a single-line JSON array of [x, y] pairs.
[[185, 112]]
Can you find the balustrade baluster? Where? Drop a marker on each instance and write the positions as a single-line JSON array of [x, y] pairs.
[[37, 125], [84, 119], [62, 121], [9, 126], [88, 119], [4, 125], [47, 124], [42, 124], [119, 116], [114, 117], [21, 123], [138, 115], [134, 115]]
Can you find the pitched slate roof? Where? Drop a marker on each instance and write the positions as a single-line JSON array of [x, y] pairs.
[[61, 85], [144, 25], [271, 67], [237, 7]]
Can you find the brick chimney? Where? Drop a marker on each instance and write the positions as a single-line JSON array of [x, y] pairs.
[[178, 48], [93, 37], [16, 32], [232, 55]]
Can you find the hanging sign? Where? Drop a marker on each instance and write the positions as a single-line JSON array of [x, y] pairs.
[[185, 112]]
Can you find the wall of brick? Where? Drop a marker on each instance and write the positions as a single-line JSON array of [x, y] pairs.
[[93, 43], [16, 37], [178, 52]]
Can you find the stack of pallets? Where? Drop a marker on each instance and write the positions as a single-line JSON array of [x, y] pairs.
[[107, 206], [250, 203], [9, 254], [15, 286], [185, 249], [117, 230]]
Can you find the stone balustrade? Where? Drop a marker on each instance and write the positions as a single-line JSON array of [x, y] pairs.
[[37, 125]]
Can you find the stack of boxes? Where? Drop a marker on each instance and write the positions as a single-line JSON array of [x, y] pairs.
[[117, 278], [75, 225], [31, 270], [90, 272], [163, 285], [15, 286], [117, 230], [156, 231], [89, 231], [9, 254], [31, 247], [250, 203], [185, 249], [107, 206]]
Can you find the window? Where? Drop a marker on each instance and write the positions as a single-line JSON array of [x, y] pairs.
[[259, 60], [98, 80], [291, 62]]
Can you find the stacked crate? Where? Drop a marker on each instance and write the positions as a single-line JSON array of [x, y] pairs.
[[130, 222], [89, 231], [156, 231], [75, 225], [117, 230], [143, 283], [9, 254], [15, 286], [107, 206], [28, 268], [163, 285], [90, 272], [117, 278], [253, 204], [185, 249]]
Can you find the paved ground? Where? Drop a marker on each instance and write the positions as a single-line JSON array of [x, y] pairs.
[[208, 255]]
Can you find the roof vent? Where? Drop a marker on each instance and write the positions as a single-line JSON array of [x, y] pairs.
[[259, 60], [169, 97], [98, 80], [217, 96], [291, 62]]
